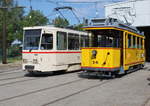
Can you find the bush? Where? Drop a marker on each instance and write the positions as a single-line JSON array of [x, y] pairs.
[[14, 51]]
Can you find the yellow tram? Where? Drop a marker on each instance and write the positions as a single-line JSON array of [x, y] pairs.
[[115, 48]]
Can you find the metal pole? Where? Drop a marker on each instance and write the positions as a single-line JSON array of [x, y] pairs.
[[4, 31], [4, 39]]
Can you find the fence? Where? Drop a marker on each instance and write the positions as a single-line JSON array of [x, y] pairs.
[[12, 52], [0, 55]]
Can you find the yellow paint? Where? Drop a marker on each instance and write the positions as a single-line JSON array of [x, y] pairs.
[[106, 57], [131, 56]]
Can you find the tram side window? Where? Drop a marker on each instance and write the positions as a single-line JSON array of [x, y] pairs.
[[134, 42], [101, 41], [116, 42], [47, 42], [61, 41], [84, 41], [73, 41], [129, 41]]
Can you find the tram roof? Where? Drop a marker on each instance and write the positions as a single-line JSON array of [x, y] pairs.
[[111, 23], [111, 27], [53, 28]]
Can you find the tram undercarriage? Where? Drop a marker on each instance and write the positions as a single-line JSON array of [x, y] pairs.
[[113, 73]]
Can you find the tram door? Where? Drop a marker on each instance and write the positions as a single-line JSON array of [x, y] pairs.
[[46, 45]]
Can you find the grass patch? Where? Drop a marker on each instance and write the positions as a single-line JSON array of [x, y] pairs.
[[12, 59]]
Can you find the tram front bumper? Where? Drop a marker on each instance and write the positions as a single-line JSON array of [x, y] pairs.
[[29, 67]]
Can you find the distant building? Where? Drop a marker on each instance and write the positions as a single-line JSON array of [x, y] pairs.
[[134, 12], [16, 43]]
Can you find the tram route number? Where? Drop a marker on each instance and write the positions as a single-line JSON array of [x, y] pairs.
[[95, 62]]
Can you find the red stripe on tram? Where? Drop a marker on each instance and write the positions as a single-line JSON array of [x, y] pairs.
[[48, 52], [101, 67], [102, 48]]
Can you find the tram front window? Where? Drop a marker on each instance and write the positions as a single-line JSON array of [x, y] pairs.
[[31, 39], [47, 42], [106, 38]]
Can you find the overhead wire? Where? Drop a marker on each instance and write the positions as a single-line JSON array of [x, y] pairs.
[[61, 3]]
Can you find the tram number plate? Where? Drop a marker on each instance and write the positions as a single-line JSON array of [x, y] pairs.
[[95, 62]]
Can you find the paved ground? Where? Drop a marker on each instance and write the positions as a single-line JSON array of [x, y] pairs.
[[20, 89], [10, 66]]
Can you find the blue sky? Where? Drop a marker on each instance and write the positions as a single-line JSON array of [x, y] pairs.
[[86, 10]]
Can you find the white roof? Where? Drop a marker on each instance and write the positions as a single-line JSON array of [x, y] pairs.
[[54, 28]]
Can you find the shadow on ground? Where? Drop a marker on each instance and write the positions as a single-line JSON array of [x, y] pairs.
[[96, 76], [41, 74]]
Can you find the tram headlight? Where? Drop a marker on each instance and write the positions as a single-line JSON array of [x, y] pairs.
[[94, 53], [35, 61], [24, 60]]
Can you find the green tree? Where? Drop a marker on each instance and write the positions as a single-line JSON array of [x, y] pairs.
[[13, 17], [60, 22], [35, 18], [78, 27], [15, 26]]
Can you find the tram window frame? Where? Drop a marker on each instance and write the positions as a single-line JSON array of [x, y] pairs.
[[129, 41], [46, 43], [31, 39], [126, 40], [84, 41], [142, 43], [73, 41], [62, 43], [138, 42]]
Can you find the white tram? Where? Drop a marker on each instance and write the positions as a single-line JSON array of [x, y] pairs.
[[48, 48]]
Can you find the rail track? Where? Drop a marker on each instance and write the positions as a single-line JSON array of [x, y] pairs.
[[52, 87], [10, 73], [12, 69], [16, 77], [40, 90], [14, 82], [24, 76], [47, 88], [73, 94], [146, 102]]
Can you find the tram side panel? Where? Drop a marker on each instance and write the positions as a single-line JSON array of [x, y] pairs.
[[68, 61], [134, 56], [47, 62], [61, 60], [51, 61]]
